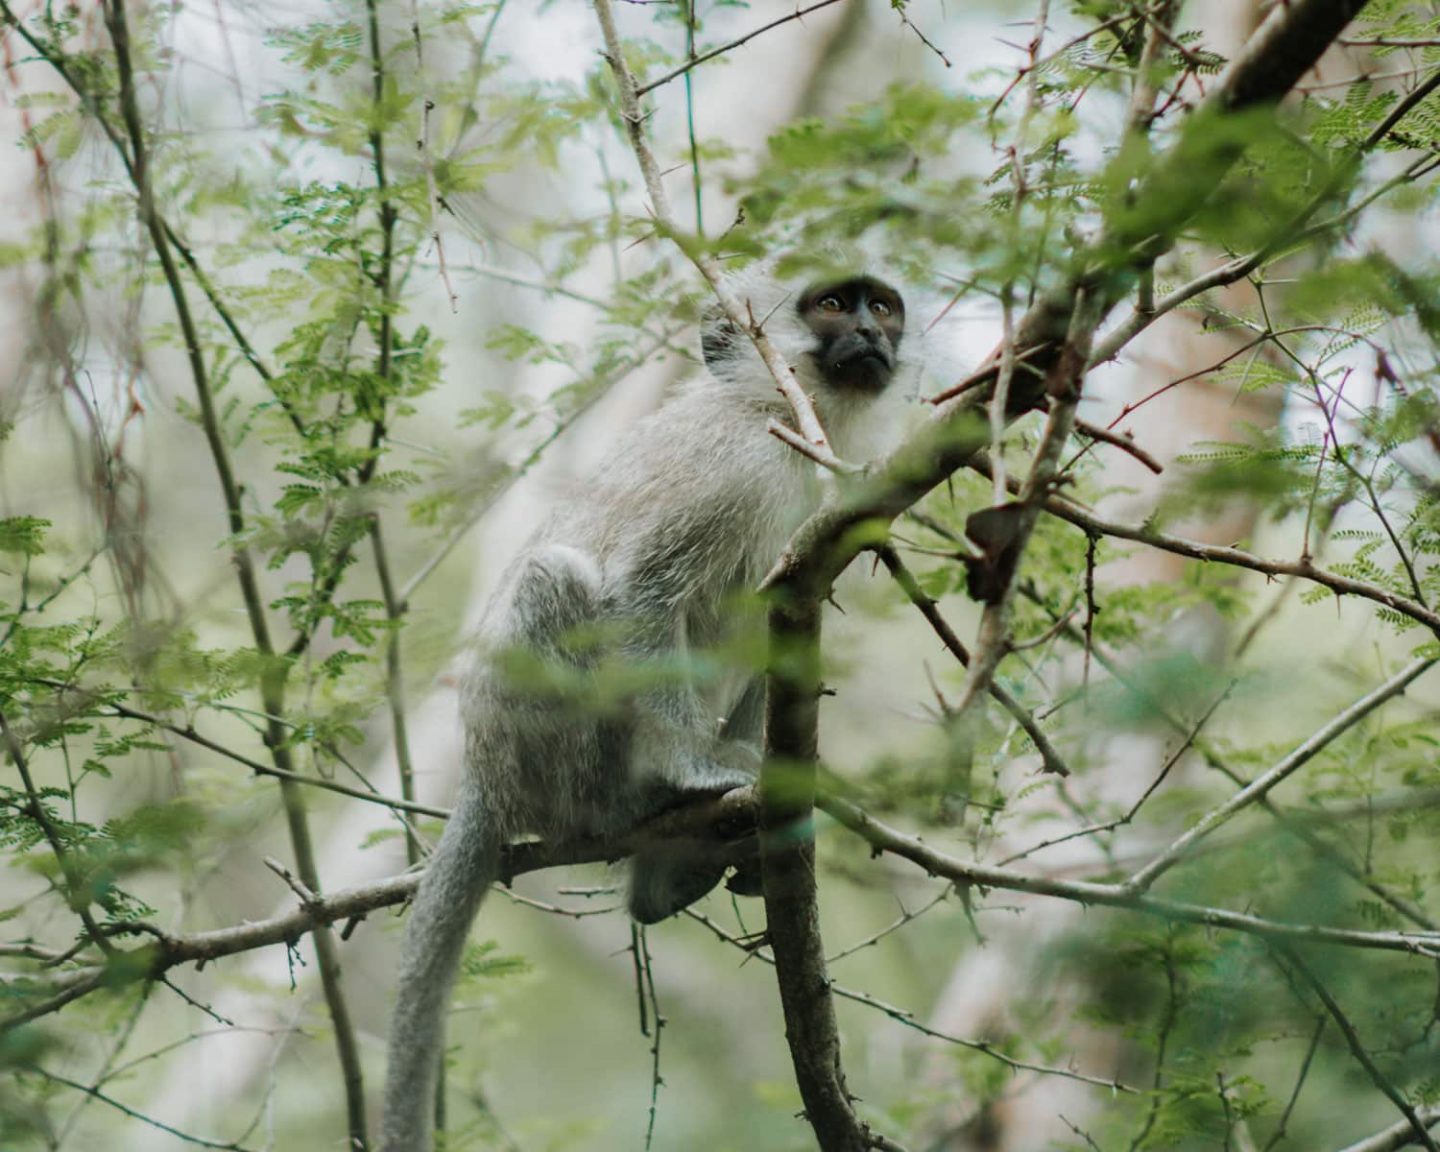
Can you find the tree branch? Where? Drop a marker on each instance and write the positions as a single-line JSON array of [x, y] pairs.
[[1419, 1131], [721, 826], [630, 111], [645, 89], [273, 674], [1236, 557], [1289, 42], [787, 855], [1049, 757], [1399, 1135], [1262, 785], [883, 838]]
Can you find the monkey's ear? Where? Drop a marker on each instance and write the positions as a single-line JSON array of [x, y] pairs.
[[718, 337]]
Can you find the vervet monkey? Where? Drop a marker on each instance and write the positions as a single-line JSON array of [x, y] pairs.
[[640, 568]]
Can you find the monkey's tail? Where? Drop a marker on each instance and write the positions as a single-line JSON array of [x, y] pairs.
[[465, 864]]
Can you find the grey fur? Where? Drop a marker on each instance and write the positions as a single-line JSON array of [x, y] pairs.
[[644, 563]]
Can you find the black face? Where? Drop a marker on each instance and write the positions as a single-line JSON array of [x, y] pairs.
[[858, 324]]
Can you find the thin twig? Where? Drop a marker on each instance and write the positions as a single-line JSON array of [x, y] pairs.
[[1129, 815], [822, 456], [1124, 441], [1286, 767], [647, 970], [394, 680], [1064, 385], [1295, 823], [597, 389], [1420, 1129], [630, 111], [905, 917], [693, 61], [1300, 1077], [1051, 759], [77, 893], [188, 732], [1235, 557], [908, 1019], [1162, 1043], [110, 1101]]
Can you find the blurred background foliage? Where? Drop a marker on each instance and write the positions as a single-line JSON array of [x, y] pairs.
[[311, 309]]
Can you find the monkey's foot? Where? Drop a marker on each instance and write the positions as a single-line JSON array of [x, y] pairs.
[[745, 880], [662, 883]]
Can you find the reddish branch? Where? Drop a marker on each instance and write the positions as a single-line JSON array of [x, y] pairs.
[[1338, 583]]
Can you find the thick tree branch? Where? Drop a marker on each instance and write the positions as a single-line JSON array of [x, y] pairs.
[[723, 826], [787, 854], [1399, 1135]]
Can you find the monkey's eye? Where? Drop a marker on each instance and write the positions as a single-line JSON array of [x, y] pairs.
[[831, 303], [880, 308]]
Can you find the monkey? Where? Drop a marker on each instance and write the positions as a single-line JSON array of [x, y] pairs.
[[640, 568]]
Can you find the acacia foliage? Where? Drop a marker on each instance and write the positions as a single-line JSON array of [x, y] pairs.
[[257, 311]]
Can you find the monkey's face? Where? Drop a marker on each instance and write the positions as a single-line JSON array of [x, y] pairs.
[[857, 325]]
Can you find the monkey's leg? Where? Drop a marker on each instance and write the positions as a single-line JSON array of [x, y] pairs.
[[556, 591], [677, 756], [746, 725], [663, 883], [666, 878]]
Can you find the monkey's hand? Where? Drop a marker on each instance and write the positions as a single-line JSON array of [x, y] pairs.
[[674, 751], [676, 759]]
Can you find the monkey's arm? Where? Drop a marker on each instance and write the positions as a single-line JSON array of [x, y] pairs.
[[676, 753], [746, 722], [678, 749]]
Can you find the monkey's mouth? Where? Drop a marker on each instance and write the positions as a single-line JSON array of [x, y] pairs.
[[865, 368]]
